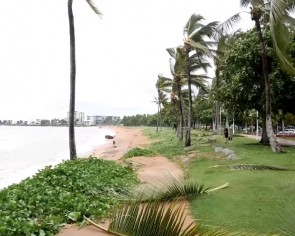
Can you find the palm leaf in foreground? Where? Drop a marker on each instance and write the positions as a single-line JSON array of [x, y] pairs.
[[167, 188], [172, 188], [160, 219], [151, 218]]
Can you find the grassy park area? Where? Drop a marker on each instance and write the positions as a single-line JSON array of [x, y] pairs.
[[255, 199]]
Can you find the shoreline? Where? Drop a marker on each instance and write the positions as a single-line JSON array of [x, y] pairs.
[[24, 165], [125, 139], [149, 170]]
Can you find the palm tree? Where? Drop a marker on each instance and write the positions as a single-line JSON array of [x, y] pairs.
[[177, 68], [274, 14], [196, 39], [163, 85], [73, 153]]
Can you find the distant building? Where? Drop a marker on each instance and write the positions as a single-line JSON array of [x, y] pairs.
[[7, 122], [103, 120], [79, 117]]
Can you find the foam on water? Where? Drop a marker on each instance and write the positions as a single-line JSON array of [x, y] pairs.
[[25, 150]]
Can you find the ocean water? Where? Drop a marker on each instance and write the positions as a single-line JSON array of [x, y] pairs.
[[26, 149]]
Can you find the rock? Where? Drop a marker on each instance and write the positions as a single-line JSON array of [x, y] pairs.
[[109, 137], [185, 160], [218, 149], [211, 141], [227, 151], [187, 149], [232, 157]]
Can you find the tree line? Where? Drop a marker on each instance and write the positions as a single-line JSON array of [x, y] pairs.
[[272, 38], [253, 70]]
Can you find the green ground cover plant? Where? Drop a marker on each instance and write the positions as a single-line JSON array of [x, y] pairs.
[[136, 152], [165, 142], [255, 200], [40, 205]]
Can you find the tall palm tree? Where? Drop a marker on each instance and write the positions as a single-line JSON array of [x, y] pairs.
[[177, 68], [163, 85], [196, 37], [274, 14], [73, 153]]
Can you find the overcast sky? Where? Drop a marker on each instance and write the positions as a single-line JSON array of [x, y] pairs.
[[119, 55]]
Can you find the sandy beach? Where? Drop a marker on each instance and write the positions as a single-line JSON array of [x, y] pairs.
[[150, 169], [126, 138]]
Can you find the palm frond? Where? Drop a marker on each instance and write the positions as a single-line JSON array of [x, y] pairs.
[[198, 46], [163, 83], [207, 30], [245, 3], [172, 52], [286, 219], [167, 188], [151, 218], [172, 64], [229, 23], [290, 6], [178, 189], [193, 24], [94, 8], [256, 167], [280, 34]]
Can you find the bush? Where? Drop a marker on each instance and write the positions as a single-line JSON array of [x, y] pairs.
[[136, 152], [40, 205]]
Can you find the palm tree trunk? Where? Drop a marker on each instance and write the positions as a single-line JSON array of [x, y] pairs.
[[180, 108], [73, 154], [216, 114], [264, 138], [160, 116], [275, 146], [190, 102]]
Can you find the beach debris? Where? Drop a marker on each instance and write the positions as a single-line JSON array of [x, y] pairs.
[[109, 136]]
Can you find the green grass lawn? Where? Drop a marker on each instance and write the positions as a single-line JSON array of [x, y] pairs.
[[254, 199]]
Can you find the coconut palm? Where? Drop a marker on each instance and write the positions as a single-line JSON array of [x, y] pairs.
[[73, 153], [196, 37], [274, 14], [177, 69], [163, 85]]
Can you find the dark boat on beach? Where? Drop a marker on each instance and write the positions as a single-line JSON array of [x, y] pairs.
[[109, 137]]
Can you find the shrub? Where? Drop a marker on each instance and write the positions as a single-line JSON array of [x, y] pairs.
[[136, 152], [54, 196]]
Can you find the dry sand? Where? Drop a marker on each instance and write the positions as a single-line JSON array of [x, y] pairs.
[[150, 169]]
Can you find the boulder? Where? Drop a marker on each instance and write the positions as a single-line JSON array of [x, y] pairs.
[[218, 149], [227, 151], [232, 157]]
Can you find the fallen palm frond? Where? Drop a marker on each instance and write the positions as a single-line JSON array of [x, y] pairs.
[[151, 218], [256, 167], [167, 188], [159, 219], [173, 188], [218, 188], [286, 219], [216, 166]]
